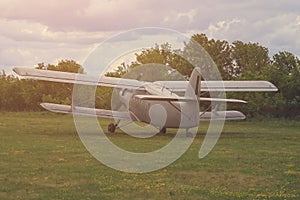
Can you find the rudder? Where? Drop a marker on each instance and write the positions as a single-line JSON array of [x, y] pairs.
[[194, 83]]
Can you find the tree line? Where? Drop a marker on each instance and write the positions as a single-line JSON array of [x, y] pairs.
[[235, 61]]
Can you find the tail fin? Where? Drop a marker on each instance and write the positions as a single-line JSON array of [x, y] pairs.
[[195, 83]]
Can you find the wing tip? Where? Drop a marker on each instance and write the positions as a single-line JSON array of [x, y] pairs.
[[17, 70]]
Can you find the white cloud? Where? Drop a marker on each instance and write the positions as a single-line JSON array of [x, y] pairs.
[[278, 33], [35, 31], [21, 30], [190, 14], [221, 28], [26, 43]]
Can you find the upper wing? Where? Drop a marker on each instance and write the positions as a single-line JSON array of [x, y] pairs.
[[59, 108], [175, 86], [220, 86], [66, 77]]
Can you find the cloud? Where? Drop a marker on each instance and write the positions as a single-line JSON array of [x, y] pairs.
[[118, 15], [54, 13], [43, 31], [21, 30], [26, 43], [278, 33], [24, 54]]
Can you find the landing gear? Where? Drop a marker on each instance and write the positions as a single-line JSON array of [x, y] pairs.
[[112, 127], [163, 130], [189, 134]]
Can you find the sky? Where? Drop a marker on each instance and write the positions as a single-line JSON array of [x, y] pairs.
[[35, 31]]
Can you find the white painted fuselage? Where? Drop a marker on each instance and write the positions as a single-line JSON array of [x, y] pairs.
[[161, 114]]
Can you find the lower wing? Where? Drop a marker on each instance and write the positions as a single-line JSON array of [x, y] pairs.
[[186, 99], [221, 115], [67, 109]]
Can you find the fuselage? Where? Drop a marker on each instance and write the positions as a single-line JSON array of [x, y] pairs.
[[161, 114]]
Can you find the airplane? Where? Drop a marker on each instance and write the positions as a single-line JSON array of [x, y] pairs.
[[139, 97]]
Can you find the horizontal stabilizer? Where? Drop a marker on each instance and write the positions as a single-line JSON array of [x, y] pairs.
[[185, 99], [67, 109], [221, 115]]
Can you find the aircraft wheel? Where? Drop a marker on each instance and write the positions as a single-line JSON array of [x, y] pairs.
[[189, 134], [163, 130], [111, 128]]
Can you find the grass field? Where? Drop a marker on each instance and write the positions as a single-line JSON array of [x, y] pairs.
[[42, 157]]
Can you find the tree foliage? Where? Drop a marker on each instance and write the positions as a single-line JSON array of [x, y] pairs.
[[220, 51], [64, 66], [235, 61], [26, 95]]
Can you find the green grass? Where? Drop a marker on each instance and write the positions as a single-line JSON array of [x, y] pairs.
[[42, 157]]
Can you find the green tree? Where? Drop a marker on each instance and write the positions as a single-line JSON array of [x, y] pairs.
[[249, 60], [284, 72], [64, 66], [220, 51], [119, 71], [60, 93], [154, 64]]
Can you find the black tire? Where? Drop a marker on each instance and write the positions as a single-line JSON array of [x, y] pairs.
[[111, 128], [189, 134], [163, 130]]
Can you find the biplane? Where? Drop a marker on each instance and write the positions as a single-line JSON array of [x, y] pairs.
[[148, 101]]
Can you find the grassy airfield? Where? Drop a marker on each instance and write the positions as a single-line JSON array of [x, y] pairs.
[[42, 157]]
